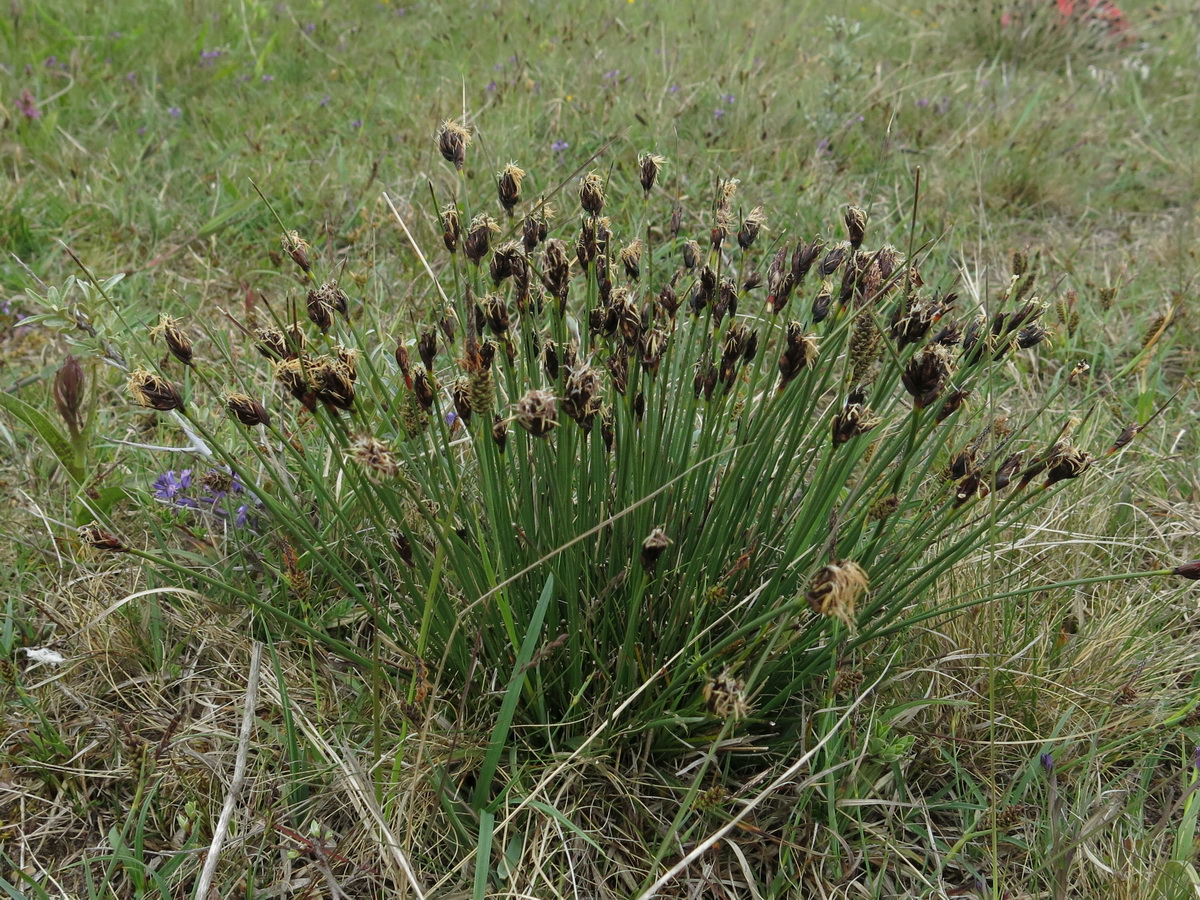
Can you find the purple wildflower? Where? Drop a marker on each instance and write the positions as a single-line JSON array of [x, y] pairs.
[[356, 124], [923, 102], [51, 61], [132, 76], [673, 89], [491, 86], [1047, 760], [28, 105], [823, 147], [718, 113], [170, 487], [612, 74], [728, 99], [325, 100], [210, 54], [141, 131], [267, 79], [310, 27], [559, 146], [174, 112]]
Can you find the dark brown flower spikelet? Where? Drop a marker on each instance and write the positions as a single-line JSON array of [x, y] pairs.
[[822, 302], [508, 186], [1189, 570], [856, 226], [423, 389], [835, 590], [319, 309], [804, 256], [692, 254], [333, 382], [925, 374], [752, 225], [453, 140], [495, 312], [1067, 462], [247, 410], [291, 374], [451, 227], [537, 412], [153, 391], [461, 393], [854, 420], [427, 347], [631, 259], [725, 696], [500, 432], [176, 341], [649, 165], [92, 535], [653, 548], [479, 237], [375, 457], [591, 193], [297, 248]]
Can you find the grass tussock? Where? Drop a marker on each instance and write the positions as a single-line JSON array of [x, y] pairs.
[[643, 482]]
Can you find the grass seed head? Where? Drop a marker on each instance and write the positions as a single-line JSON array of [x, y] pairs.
[[500, 432], [649, 166], [152, 391], [479, 237], [453, 140], [537, 412], [297, 248], [427, 347], [92, 535], [855, 419], [375, 457], [725, 696], [451, 227], [631, 259], [856, 226], [247, 410], [926, 373], [836, 589], [752, 226], [508, 186], [591, 193], [176, 341], [653, 548], [333, 382]]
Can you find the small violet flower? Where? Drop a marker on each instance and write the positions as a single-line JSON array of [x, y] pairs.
[[1047, 760], [267, 79], [559, 146], [718, 113], [728, 99], [174, 112], [28, 105]]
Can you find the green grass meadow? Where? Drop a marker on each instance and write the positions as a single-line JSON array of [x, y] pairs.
[[782, 485]]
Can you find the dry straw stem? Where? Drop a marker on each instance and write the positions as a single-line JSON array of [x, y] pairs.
[[204, 883]]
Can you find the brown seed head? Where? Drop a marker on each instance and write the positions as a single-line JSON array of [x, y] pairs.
[[1189, 570], [375, 457], [479, 237], [508, 186], [423, 389], [152, 391], [856, 226], [291, 374], [649, 165], [631, 259], [92, 535], [451, 227], [427, 347], [725, 696], [1066, 462], [925, 374], [836, 589], [822, 302], [320, 309], [500, 432], [692, 255], [177, 342], [297, 248], [752, 225], [538, 413], [453, 140], [591, 193], [247, 410], [333, 382], [855, 419], [653, 548]]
